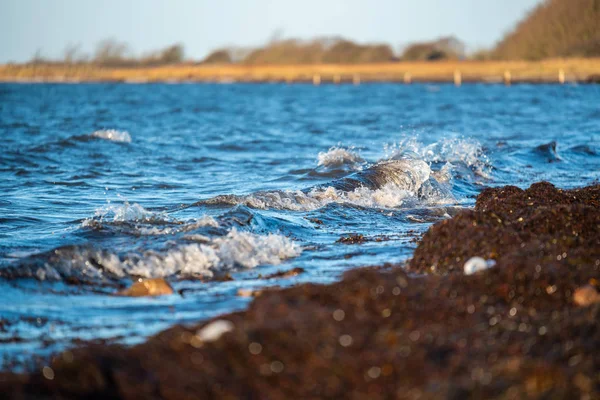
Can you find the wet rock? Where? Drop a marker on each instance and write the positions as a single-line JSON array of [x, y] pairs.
[[148, 287], [249, 292], [352, 239], [285, 274], [224, 278], [542, 225]]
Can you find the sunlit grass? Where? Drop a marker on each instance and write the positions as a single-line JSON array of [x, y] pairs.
[[546, 70]]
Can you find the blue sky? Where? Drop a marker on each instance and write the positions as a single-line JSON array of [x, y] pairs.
[[203, 25]]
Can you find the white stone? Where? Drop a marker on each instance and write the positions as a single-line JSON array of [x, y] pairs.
[[475, 264], [214, 330]]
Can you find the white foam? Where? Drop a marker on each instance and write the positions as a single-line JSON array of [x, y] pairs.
[[338, 156], [113, 135], [389, 196], [205, 221], [235, 250]]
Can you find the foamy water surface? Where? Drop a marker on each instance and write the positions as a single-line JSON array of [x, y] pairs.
[[214, 187]]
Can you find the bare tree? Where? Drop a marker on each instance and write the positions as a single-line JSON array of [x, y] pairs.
[[73, 54], [38, 57], [111, 52]]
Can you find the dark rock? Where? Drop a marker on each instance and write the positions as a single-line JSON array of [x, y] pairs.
[[542, 226], [353, 238], [285, 274]]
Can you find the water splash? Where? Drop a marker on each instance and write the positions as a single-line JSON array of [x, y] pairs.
[[338, 156], [126, 212], [468, 152]]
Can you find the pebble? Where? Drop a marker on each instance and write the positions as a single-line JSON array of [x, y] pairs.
[[249, 292], [475, 264], [214, 330], [148, 287]]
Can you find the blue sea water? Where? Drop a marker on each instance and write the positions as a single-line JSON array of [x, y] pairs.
[[103, 184]]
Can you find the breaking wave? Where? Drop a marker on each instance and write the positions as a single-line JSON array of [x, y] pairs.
[[387, 184], [338, 156], [213, 255], [409, 172]]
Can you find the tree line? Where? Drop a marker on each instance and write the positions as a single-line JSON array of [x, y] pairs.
[[333, 50], [555, 28], [336, 50], [114, 53]]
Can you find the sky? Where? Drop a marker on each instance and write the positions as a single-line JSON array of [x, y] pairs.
[[48, 26]]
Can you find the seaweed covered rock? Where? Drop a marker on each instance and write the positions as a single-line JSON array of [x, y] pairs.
[[541, 227]]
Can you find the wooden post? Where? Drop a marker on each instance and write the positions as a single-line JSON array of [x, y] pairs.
[[356, 79], [507, 78], [561, 76], [407, 78], [316, 79], [457, 78]]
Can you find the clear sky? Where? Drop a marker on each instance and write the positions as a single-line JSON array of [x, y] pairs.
[[203, 25]]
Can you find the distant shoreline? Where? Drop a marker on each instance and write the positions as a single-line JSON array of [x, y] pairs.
[[580, 70]]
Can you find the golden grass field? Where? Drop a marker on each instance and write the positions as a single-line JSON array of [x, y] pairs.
[[551, 70]]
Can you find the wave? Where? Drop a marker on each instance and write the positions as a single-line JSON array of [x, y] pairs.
[[405, 174], [113, 135], [547, 151], [387, 184], [135, 219], [213, 255], [338, 156], [409, 172], [127, 212]]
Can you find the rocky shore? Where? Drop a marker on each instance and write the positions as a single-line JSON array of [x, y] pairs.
[[526, 326]]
